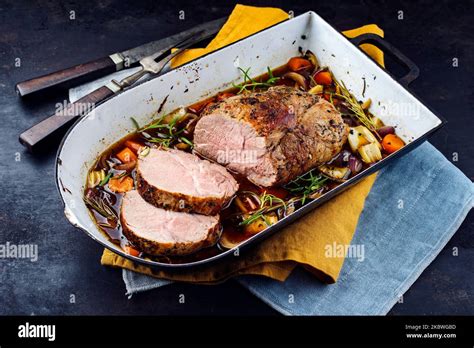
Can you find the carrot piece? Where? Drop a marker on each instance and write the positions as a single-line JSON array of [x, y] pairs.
[[131, 251], [323, 78], [121, 185], [134, 146], [126, 155], [298, 64], [392, 143]]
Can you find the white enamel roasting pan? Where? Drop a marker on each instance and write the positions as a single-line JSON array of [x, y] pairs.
[[206, 76]]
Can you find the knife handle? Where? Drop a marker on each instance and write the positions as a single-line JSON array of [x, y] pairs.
[[71, 76], [38, 135]]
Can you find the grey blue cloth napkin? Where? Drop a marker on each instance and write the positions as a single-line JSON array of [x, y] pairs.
[[415, 206]]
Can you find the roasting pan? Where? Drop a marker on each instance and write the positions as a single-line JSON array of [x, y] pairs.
[[205, 76]]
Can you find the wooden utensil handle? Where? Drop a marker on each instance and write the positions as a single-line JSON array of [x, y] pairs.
[[67, 77], [37, 135]]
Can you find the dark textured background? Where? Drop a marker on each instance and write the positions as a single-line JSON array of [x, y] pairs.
[[42, 36]]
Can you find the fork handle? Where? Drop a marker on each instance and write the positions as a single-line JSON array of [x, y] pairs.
[[38, 135], [130, 80]]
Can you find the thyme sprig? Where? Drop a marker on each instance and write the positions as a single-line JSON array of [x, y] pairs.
[[250, 83]]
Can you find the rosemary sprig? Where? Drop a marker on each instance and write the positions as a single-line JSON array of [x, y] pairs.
[[306, 184], [267, 204], [100, 206], [354, 106], [166, 133], [253, 84]]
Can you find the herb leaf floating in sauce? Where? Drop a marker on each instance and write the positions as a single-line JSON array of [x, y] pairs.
[[307, 184], [266, 204], [100, 205], [252, 83], [166, 134], [257, 212]]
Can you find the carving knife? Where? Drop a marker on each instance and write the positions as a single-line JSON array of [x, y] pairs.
[[92, 70], [35, 137]]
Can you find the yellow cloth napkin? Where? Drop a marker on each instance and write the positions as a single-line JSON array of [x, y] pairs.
[[302, 243]]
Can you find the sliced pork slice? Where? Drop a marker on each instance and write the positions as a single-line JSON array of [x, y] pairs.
[[164, 232], [180, 181], [270, 137]]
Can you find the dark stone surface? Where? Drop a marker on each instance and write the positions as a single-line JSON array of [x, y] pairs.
[[45, 39]]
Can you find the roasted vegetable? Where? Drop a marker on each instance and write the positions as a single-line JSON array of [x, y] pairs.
[[298, 64], [323, 78], [182, 146], [366, 105], [341, 159], [134, 146], [318, 89], [355, 164], [377, 122], [126, 166], [126, 155], [238, 202], [121, 185], [144, 152], [95, 178], [312, 58], [260, 224], [383, 131], [392, 143], [370, 153], [359, 136], [298, 78], [131, 251], [335, 173], [266, 204]]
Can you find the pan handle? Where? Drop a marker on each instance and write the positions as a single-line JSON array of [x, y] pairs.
[[413, 70]]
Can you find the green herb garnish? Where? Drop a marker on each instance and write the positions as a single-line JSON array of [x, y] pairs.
[[166, 134], [306, 184], [100, 206], [105, 180], [253, 84], [354, 106], [267, 204]]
